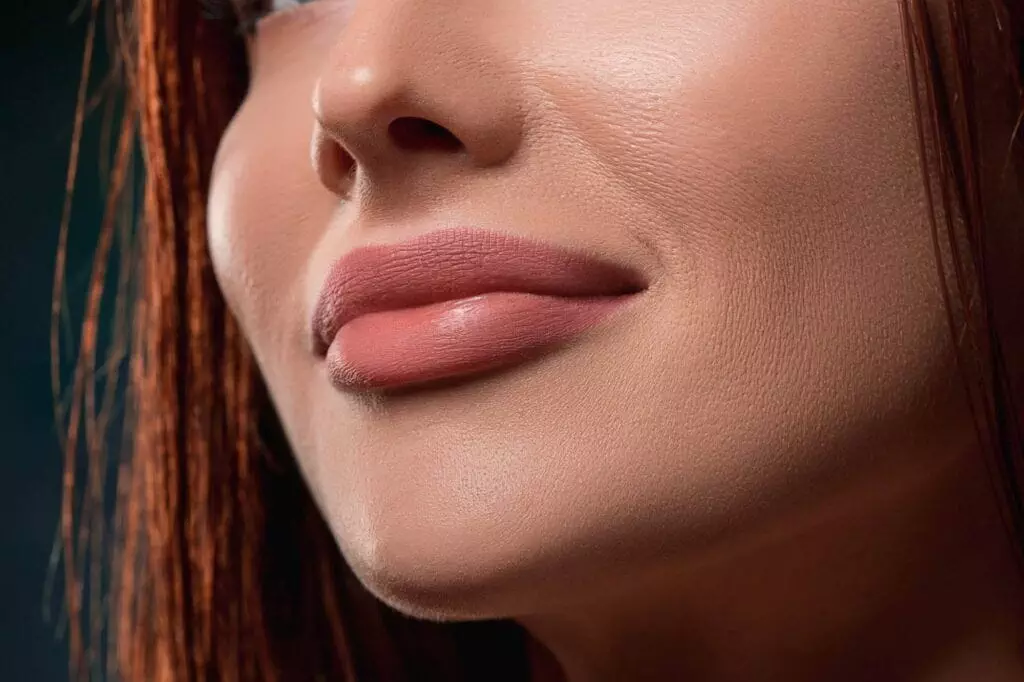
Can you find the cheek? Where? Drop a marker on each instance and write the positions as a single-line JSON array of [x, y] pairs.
[[265, 216], [775, 141], [730, 108]]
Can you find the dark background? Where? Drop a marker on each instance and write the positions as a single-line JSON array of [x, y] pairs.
[[40, 61]]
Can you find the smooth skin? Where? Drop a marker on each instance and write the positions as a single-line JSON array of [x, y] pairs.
[[764, 469]]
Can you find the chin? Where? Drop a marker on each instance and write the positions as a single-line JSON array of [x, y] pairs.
[[438, 576]]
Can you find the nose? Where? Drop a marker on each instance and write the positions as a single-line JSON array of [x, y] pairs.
[[408, 85]]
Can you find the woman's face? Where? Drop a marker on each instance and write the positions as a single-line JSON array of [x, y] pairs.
[[754, 160]]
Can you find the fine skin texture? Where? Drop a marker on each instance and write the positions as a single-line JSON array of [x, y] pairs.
[[764, 469]]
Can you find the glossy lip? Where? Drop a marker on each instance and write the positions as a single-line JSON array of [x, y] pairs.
[[452, 264]]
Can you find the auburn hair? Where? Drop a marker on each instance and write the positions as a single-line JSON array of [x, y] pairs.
[[219, 566]]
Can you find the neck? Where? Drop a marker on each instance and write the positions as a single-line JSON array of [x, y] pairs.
[[917, 584]]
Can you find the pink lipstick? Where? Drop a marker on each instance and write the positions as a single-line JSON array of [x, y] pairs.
[[457, 302]]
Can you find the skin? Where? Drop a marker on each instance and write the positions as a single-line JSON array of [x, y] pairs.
[[764, 468]]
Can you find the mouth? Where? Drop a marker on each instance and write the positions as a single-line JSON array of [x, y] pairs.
[[458, 302]]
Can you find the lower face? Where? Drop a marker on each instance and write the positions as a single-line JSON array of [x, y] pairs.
[[755, 159]]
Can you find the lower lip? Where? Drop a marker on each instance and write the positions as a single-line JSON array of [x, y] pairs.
[[457, 338]]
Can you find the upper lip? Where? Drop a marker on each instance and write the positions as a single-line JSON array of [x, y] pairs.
[[457, 263]]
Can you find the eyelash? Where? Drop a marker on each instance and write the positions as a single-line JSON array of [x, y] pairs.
[[245, 13]]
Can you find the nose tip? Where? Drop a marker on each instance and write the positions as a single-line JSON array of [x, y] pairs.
[[381, 108], [364, 126]]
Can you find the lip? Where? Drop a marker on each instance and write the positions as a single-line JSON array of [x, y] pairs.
[[457, 301]]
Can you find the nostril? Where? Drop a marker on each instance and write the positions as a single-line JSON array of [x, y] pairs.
[[340, 170], [417, 133], [333, 164]]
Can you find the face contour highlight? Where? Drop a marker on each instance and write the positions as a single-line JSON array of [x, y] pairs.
[[754, 159]]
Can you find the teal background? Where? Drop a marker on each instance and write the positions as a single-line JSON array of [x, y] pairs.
[[40, 62]]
